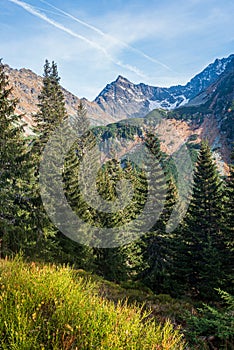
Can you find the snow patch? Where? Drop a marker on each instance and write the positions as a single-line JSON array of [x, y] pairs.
[[185, 100], [165, 104], [155, 104]]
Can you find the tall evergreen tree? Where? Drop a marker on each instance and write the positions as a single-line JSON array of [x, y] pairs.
[[110, 262], [202, 253], [76, 253], [72, 172], [14, 174], [229, 205], [51, 113], [155, 244], [51, 104], [229, 225]]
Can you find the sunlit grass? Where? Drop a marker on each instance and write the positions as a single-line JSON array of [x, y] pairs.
[[49, 307]]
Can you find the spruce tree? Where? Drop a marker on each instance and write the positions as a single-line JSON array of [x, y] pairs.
[[229, 205], [110, 262], [202, 249], [14, 174], [51, 113], [155, 244], [137, 180], [228, 226], [122, 262], [73, 174], [75, 252], [51, 104]]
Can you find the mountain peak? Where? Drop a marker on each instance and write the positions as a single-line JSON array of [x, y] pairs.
[[121, 79]]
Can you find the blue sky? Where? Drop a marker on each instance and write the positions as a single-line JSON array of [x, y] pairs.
[[160, 43]]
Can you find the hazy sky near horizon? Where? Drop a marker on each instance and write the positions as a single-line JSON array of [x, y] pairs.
[[159, 43]]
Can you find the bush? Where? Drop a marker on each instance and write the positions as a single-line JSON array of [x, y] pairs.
[[214, 326]]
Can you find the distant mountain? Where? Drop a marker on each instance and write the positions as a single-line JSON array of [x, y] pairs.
[[123, 99], [208, 116]]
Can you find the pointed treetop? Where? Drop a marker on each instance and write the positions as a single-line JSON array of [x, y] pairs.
[[54, 72], [47, 69]]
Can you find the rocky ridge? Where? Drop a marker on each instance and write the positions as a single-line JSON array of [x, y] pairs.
[[123, 99], [27, 86]]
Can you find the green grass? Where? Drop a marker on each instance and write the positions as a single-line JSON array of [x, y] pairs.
[[160, 306], [51, 307]]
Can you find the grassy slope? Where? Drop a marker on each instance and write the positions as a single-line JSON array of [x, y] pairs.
[[50, 307]]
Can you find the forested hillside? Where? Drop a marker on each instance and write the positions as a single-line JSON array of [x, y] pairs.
[[190, 263]]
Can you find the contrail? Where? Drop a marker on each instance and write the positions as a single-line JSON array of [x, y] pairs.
[[77, 20], [107, 36], [49, 11], [33, 11]]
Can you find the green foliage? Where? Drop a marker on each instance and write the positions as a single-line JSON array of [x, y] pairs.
[[202, 250], [50, 307], [192, 114], [117, 130], [15, 229], [214, 323], [155, 244], [229, 207], [51, 113], [51, 103], [228, 227], [155, 116]]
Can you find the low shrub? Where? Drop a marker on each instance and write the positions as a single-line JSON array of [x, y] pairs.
[[213, 327]]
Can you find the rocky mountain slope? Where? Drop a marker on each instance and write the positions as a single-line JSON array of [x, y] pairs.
[[26, 88], [209, 116], [123, 99]]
